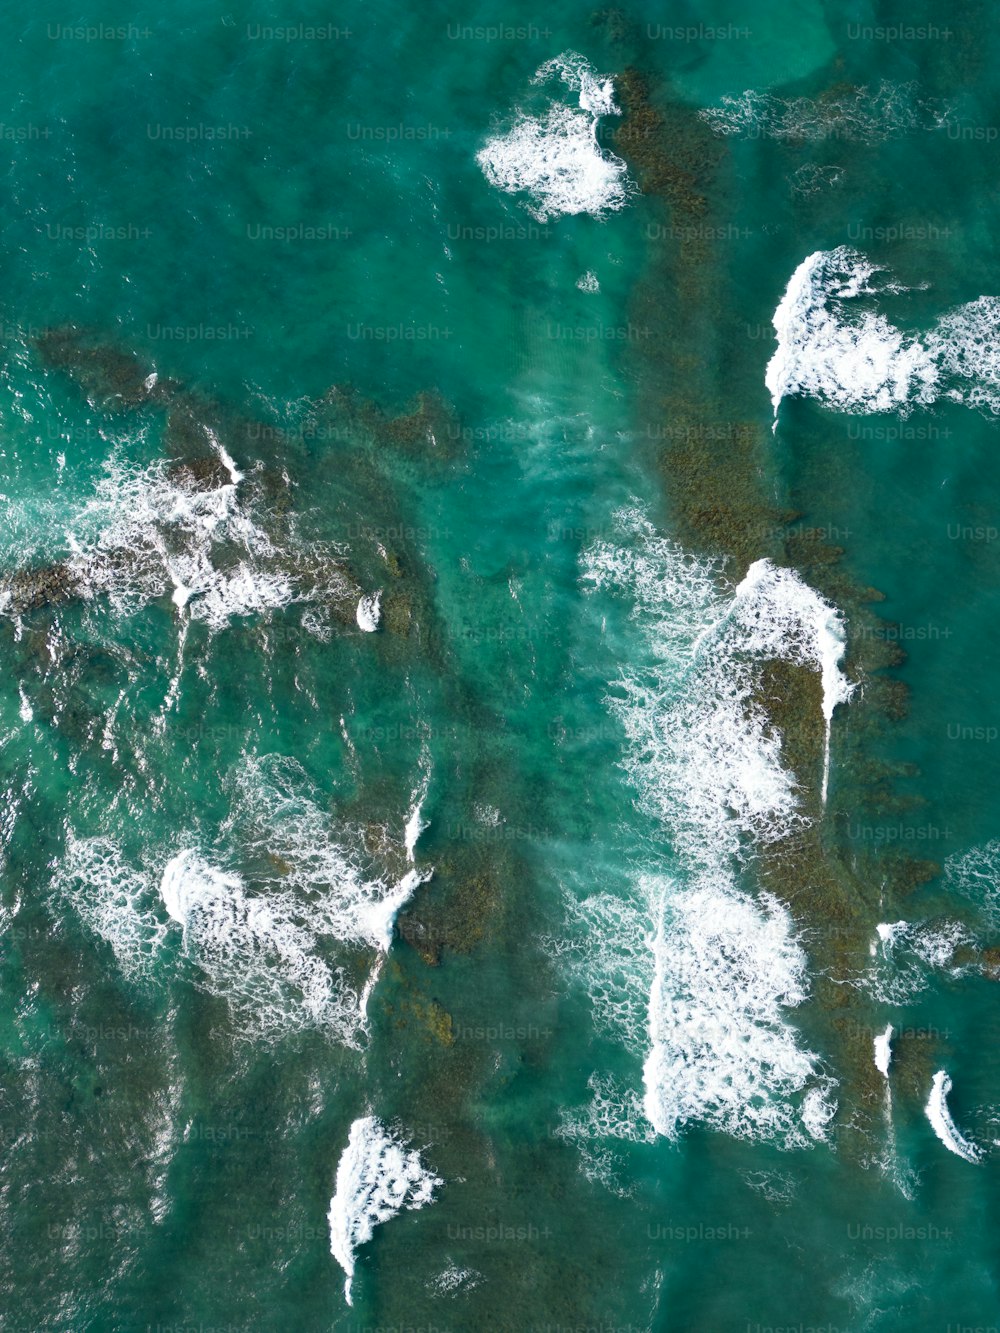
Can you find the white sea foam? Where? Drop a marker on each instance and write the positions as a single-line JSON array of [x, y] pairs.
[[588, 282], [415, 822], [727, 970], [114, 899], [555, 158], [860, 115], [415, 825], [783, 616], [818, 1110], [266, 953], [289, 950], [888, 1159], [278, 813], [454, 1279], [976, 875], [811, 178], [966, 344], [937, 943], [831, 345], [883, 1051], [145, 534], [617, 976], [704, 755], [614, 1112], [167, 1138], [235, 475], [850, 363], [597, 94], [943, 1125], [188, 882], [715, 971], [888, 932], [369, 612], [377, 1177], [776, 1186], [257, 952], [906, 954]]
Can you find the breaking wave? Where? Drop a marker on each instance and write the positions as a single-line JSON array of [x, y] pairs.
[[832, 346], [378, 1176], [942, 1123], [555, 158]]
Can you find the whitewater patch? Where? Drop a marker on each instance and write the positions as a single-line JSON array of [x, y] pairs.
[[695, 975], [257, 952], [703, 753], [942, 1123], [775, 1186], [298, 946], [555, 158], [833, 346], [378, 1176], [862, 115], [149, 532], [781, 616], [267, 953], [617, 975], [889, 1160], [369, 612], [697, 982], [614, 1112], [811, 178], [277, 813], [883, 1051], [113, 899], [727, 970], [145, 533]]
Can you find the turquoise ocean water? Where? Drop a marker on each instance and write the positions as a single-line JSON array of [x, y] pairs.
[[445, 497]]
